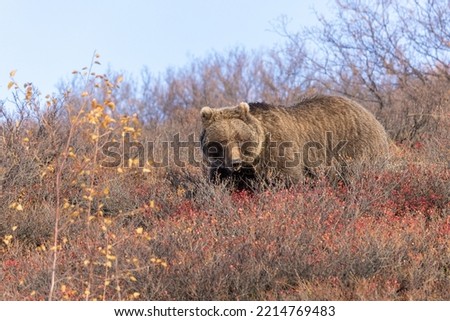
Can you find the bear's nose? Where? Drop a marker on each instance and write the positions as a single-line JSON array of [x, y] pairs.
[[236, 164]]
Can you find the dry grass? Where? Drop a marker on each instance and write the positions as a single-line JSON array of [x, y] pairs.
[[383, 238], [72, 229], [166, 234]]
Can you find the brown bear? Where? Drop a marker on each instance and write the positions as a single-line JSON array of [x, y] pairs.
[[261, 143]]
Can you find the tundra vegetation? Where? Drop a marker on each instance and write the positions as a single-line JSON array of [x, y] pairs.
[[77, 222]]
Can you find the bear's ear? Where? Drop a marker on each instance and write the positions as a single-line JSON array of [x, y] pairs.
[[206, 113], [244, 109]]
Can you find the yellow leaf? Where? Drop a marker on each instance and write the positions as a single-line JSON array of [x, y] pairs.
[[111, 105], [66, 204], [10, 84], [139, 230], [84, 94], [128, 129], [7, 239], [12, 73], [107, 121], [19, 207]]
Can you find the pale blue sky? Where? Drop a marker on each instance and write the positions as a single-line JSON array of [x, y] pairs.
[[44, 40]]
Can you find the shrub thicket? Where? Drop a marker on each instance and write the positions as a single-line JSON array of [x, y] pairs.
[[72, 228]]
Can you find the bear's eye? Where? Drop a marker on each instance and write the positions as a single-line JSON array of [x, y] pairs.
[[214, 149]]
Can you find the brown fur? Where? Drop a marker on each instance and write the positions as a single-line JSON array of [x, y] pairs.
[[318, 132]]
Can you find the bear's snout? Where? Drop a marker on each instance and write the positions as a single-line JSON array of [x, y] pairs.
[[236, 164], [234, 157]]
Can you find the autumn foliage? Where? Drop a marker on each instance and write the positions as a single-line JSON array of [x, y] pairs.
[[72, 228]]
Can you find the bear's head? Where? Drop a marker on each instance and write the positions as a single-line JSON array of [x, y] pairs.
[[232, 138]]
